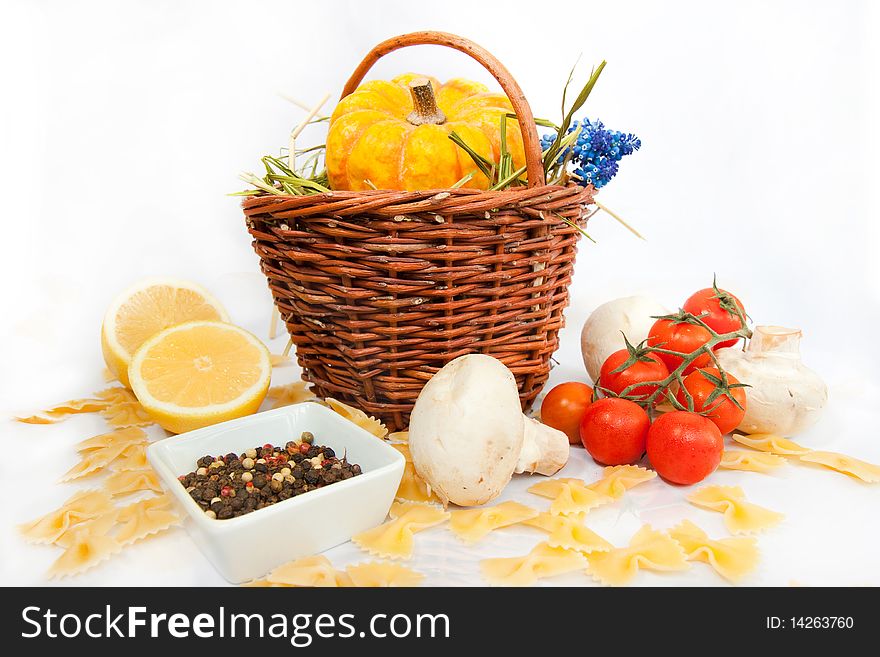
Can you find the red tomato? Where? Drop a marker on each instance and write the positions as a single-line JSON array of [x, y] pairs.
[[614, 431], [564, 406], [682, 337], [719, 306], [683, 447], [725, 414], [648, 368]]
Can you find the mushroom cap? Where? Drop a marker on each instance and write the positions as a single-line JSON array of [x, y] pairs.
[[466, 430], [601, 333]]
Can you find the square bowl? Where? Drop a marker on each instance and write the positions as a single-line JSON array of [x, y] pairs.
[[249, 546]]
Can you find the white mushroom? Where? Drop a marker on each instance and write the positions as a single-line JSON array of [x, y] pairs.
[[601, 335], [785, 396], [468, 435]]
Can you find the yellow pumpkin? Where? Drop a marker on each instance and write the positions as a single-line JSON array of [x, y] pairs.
[[395, 134]]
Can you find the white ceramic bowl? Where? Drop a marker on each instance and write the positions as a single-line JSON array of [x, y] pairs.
[[251, 545]]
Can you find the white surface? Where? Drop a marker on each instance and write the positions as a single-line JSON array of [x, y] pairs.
[[125, 125], [251, 545]]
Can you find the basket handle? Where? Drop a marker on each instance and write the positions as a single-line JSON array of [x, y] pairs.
[[528, 129]]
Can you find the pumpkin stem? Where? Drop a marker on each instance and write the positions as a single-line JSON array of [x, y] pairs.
[[425, 108]]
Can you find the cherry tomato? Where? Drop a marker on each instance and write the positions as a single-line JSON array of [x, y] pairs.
[[564, 406], [614, 431], [683, 447], [725, 414], [719, 306], [648, 367], [683, 337]]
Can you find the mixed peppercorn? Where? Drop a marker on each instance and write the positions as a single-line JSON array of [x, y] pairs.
[[235, 484]]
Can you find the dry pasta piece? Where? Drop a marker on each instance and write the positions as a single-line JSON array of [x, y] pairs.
[[100, 525], [412, 487], [740, 516], [569, 495], [277, 360], [292, 393], [768, 442], [617, 479], [394, 539], [848, 465], [64, 410], [542, 561], [126, 437], [471, 525], [127, 414], [263, 583], [309, 571], [357, 416], [141, 519], [133, 458], [100, 401], [86, 550], [79, 508], [132, 481], [739, 459], [648, 549], [383, 574], [93, 461], [569, 532], [732, 558], [116, 395], [398, 437]]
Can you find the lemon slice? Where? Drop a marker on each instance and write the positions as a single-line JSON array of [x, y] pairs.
[[200, 373], [145, 309]]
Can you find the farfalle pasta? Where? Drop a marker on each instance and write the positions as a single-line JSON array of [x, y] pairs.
[[99, 525], [471, 525], [308, 571], [569, 495], [79, 508], [132, 481], [648, 549], [134, 457], [292, 393], [127, 414], [125, 437], [398, 437], [733, 558], [383, 574], [412, 487], [740, 516], [94, 461], [144, 518], [768, 442], [543, 561], [739, 459], [64, 410], [85, 550], [394, 539], [569, 532], [617, 479], [848, 465], [358, 417]]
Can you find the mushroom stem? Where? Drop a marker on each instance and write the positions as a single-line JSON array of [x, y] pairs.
[[775, 339], [544, 449], [425, 108]]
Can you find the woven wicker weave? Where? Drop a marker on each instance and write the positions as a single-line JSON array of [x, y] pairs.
[[379, 289]]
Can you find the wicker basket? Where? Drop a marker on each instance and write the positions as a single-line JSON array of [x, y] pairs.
[[380, 289]]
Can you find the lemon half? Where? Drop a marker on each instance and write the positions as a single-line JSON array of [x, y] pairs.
[[146, 308], [200, 373]]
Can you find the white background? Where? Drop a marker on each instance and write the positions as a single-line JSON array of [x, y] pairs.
[[124, 125]]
